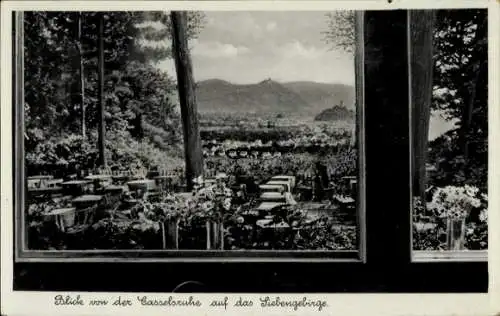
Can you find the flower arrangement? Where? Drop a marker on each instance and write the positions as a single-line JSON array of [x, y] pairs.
[[210, 201], [169, 207], [454, 202], [458, 220]]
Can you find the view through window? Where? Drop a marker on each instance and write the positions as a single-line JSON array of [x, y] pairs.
[[450, 198], [116, 158]]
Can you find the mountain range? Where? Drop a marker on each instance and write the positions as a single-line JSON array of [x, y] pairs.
[[269, 96]]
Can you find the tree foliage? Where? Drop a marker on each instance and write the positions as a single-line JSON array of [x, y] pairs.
[[460, 89], [461, 95], [139, 102], [340, 32]]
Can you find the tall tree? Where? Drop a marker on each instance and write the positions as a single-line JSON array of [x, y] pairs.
[[459, 85], [461, 95], [421, 66], [76, 53], [101, 125], [81, 71], [133, 85], [187, 98]]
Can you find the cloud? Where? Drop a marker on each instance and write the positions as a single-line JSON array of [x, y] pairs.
[[217, 50], [297, 49], [247, 47]]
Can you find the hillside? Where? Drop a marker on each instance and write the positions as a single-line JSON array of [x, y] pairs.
[[269, 96], [266, 96], [321, 96], [337, 113]]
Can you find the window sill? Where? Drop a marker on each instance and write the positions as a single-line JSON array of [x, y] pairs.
[[459, 256]]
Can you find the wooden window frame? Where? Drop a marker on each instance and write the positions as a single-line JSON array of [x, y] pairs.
[[385, 263]]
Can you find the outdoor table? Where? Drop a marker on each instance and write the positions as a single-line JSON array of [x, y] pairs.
[[41, 177], [99, 177], [290, 179], [281, 225], [271, 188], [38, 180], [63, 217], [120, 179], [145, 185], [76, 187], [264, 223], [268, 206], [137, 176], [44, 193], [272, 197], [54, 183], [286, 184], [85, 201], [100, 180], [113, 189]]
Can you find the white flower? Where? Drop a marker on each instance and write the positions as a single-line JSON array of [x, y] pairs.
[[471, 191], [227, 204], [198, 180], [207, 206], [483, 215], [484, 196], [476, 203]]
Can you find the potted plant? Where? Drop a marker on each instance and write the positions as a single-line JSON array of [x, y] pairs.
[[211, 203], [167, 213]]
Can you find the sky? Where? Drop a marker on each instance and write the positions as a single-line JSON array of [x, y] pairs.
[[248, 47]]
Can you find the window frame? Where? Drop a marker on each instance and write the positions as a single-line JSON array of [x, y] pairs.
[[383, 127]]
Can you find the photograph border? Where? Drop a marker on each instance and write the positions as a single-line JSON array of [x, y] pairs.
[[280, 278]]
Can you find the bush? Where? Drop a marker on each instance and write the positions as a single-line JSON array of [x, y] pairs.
[[61, 155], [125, 152]]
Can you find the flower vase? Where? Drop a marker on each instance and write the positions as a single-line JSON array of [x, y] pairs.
[[455, 233], [215, 235], [170, 233]]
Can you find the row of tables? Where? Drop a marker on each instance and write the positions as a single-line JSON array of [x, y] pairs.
[[84, 199], [86, 194]]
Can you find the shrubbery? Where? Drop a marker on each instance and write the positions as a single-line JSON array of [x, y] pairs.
[[62, 155]]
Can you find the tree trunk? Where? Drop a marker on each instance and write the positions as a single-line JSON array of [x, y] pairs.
[[81, 87], [187, 98], [101, 126], [421, 60]]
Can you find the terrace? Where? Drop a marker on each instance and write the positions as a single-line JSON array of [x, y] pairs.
[[79, 206]]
